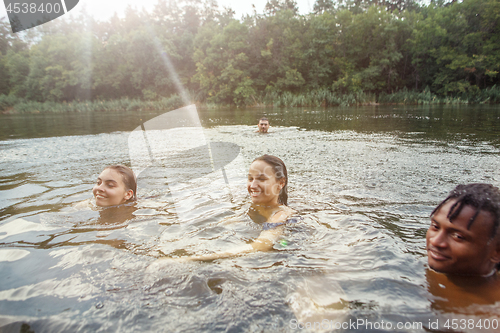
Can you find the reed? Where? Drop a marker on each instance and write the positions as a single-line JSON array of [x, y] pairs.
[[406, 96], [23, 106], [8, 101], [485, 96], [314, 98]]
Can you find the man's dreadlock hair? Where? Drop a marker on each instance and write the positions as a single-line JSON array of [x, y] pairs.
[[480, 196]]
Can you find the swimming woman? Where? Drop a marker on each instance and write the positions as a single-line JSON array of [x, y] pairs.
[[114, 193], [115, 185], [268, 188]]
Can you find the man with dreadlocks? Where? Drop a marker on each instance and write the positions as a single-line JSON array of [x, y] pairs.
[[463, 251], [463, 237]]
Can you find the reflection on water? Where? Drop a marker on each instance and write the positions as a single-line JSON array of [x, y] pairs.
[[363, 179]]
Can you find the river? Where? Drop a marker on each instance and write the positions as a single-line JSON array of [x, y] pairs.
[[363, 179]]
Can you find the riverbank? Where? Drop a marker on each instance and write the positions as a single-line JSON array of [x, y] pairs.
[[320, 98]]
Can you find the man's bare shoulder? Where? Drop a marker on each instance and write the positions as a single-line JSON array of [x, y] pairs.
[[456, 293]]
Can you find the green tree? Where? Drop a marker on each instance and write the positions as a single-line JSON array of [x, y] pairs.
[[323, 52], [12, 49], [277, 52], [17, 65], [61, 67], [370, 52], [5, 37], [222, 63], [456, 47], [274, 6], [321, 6], [358, 6]]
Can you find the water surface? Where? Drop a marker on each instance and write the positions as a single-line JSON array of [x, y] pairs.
[[363, 179]]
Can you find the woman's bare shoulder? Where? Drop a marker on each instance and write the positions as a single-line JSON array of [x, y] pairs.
[[281, 214]]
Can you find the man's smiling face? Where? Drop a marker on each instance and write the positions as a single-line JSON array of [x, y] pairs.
[[453, 248]]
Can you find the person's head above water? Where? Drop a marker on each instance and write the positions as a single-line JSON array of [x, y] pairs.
[[115, 185], [463, 237], [263, 125], [267, 181]]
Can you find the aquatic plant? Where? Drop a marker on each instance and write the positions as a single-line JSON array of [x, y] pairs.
[[124, 104], [8, 101], [314, 98]]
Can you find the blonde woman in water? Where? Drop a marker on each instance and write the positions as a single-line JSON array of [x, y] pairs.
[[115, 186]]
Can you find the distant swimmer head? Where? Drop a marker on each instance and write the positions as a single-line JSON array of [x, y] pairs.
[[463, 237], [115, 185], [267, 181], [263, 125]]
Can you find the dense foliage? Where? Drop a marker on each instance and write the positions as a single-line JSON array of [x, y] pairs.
[[342, 53]]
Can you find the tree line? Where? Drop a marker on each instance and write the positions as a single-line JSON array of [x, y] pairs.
[[350, 47]]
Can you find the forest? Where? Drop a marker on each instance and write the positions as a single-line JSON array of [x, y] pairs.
[[345, 52]]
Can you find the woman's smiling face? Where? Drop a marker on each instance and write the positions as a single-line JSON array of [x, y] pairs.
[[110, 189], [262, 184]]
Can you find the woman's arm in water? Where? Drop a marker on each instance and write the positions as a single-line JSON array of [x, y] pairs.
[[264, 242]]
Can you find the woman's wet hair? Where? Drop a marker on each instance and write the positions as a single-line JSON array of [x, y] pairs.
[[478, 195], [128, 178], [280, 172]]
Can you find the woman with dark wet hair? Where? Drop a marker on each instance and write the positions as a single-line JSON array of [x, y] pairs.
[[268, 188]]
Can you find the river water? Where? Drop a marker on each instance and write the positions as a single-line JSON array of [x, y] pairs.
[[364, 180]]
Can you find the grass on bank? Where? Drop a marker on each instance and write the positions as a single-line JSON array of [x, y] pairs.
[[488, 95], [11, 104], [18, 105]]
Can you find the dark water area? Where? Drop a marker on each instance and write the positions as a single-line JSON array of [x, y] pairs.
[[439, 121], [364, 180], [20, 126]]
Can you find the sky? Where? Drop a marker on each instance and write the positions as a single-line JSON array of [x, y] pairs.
[[103, 9]]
